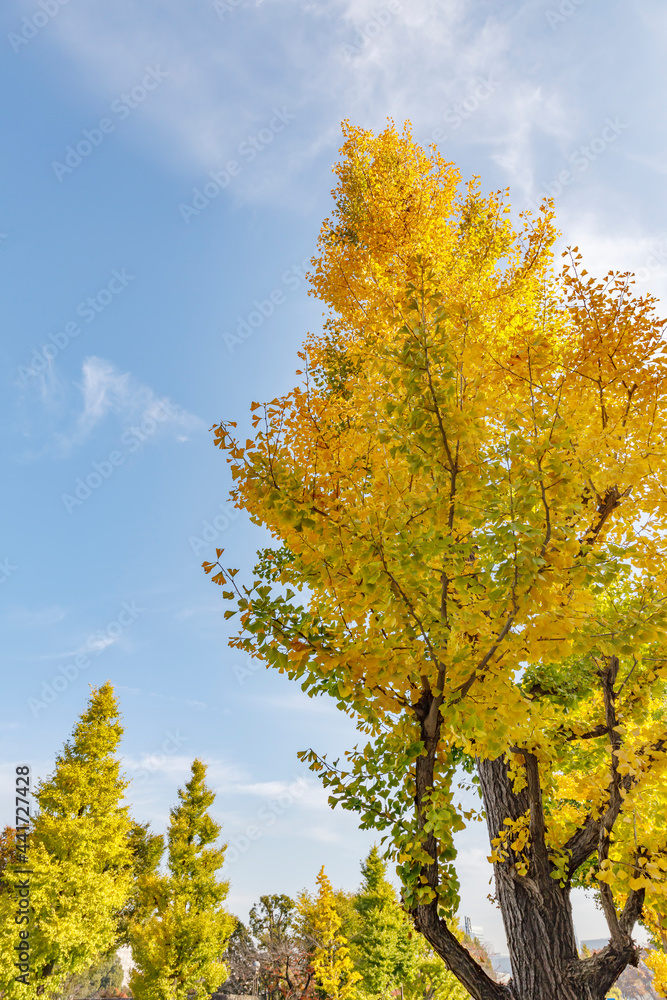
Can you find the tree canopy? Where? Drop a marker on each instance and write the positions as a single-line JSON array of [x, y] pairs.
[[467, 496]]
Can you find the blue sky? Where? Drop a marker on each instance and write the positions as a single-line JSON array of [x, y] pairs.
[[166, 169]]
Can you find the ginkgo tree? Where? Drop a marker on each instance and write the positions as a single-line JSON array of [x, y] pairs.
[[333, 968], [467, 496]]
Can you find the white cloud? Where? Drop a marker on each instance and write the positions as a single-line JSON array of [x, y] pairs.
[[274, 789], [365, 60], [222, 74], [103, 392], [98, 645]]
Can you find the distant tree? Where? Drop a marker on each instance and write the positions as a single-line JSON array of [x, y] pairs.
[[272, 919], [433, 980], [278, 946], [333, 968], [146, 852], [388, 952], [7, 852], [79, 858], [181, 928], [383, 948], [239, 957], [637, 981]]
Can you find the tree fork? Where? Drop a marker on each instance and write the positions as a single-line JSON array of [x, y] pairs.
[[536, 909]]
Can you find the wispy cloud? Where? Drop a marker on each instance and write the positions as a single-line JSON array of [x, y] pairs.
[[366, 60], [357, 55], [103, 391]]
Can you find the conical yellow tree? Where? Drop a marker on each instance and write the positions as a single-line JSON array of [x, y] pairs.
[[467, 496], [180, 928], [79, 859], [333, 968]]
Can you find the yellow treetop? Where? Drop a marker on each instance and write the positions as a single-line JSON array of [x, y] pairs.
[[333, 968]]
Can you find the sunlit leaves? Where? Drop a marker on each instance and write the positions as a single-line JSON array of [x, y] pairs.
[[467, 496]]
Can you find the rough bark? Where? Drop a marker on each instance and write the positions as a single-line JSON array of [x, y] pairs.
[[536, 908], [536, 911]]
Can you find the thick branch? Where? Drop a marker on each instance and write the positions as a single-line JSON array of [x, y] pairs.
[[632, 910], [595, 832], [608, 678], [607, 504], [592, 734], [601, 970], [453, 953]]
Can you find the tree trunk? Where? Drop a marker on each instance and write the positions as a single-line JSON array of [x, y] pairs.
[[536, 909]]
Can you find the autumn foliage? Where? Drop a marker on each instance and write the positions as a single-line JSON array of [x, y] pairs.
[[467, 496]]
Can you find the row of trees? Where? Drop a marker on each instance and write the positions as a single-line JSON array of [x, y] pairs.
[[99, 880], [339, 945]]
